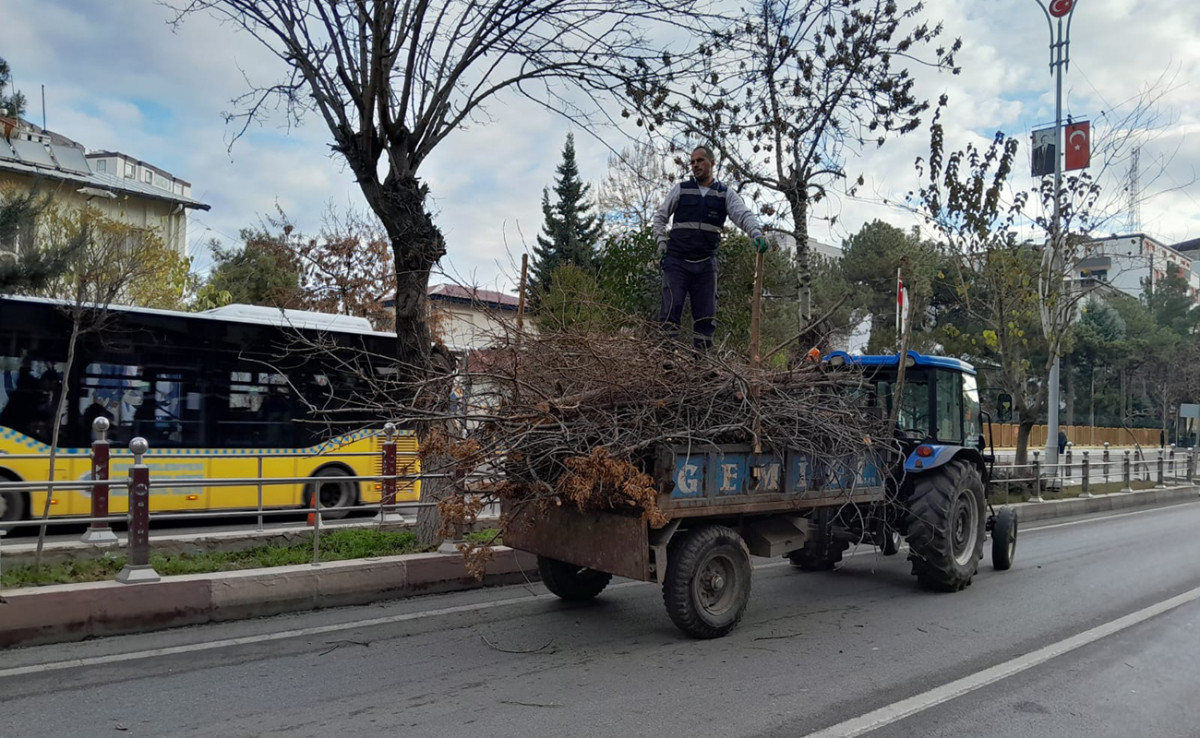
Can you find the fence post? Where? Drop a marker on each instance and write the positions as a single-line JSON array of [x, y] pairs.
[[1171, 462], [1106, 452], [260, 493], [1191, 464], [1067, 469], [1084, 480], [137, 567], [1125, 475], [1037, 478], [387, 503], [1159, 483], [99, 531]]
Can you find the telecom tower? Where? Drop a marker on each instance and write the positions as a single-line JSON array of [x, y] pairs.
[[1135, 192]]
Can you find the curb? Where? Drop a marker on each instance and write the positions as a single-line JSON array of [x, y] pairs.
[[1028, 512], [73, 612]]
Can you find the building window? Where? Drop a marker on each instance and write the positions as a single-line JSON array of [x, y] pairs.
[[178, 189], [148, 177], [129, 172], [102, 166]]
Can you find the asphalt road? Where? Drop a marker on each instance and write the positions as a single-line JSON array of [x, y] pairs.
[[1091, 633]]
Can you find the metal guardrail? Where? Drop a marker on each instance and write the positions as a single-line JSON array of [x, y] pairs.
[[140, 485]]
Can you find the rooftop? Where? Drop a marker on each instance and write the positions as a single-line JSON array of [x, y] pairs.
[[27, 150]]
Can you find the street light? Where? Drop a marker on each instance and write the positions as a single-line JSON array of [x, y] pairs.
[[1060, 44]]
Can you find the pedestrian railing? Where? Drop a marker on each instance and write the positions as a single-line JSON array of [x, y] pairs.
[[139, 485], [1080, 469]]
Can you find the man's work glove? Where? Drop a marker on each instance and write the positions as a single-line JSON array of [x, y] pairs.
[[761, 244]]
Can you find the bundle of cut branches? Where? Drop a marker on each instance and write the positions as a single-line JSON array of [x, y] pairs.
[[570, 418]]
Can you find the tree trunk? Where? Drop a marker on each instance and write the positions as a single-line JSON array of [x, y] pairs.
[[799, 206], [1069, 376], [1024, 428], [417, 245]]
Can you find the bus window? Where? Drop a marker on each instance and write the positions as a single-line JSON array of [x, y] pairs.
[[31, 390]]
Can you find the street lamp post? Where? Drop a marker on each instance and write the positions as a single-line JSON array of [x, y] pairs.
[[1060, 43]]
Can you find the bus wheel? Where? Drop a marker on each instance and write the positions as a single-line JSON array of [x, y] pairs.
[[12, 504], [707, 584], [333, 490]]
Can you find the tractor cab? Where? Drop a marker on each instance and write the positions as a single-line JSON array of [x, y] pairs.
[[939, 417], [939, 492]]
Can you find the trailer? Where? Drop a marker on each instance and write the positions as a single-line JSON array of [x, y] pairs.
[[724, 504]]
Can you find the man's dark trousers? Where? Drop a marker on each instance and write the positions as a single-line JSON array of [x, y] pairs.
[[695, 279]]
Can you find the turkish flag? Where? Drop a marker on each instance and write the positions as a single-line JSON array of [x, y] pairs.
[[1077, 141]]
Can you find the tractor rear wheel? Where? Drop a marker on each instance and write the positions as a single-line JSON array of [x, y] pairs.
[[946, 526]]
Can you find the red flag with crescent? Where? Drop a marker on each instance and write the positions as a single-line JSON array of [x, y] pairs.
[[1078, 142], [1059, 8]]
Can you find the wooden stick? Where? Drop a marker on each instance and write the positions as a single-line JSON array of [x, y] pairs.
[[521, 292]]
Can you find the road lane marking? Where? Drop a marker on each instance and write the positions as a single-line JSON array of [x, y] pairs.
[[295, 633], [906, 708], [405, 617]]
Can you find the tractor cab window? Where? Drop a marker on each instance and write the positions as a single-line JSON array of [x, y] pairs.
[[912, 417], [949, 401], [972, 422]]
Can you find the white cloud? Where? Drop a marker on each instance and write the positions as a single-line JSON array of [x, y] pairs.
[[118, 77]]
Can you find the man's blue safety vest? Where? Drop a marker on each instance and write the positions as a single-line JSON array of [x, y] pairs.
[[698, 220]]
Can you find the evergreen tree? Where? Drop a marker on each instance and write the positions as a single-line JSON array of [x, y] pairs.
[[571, 230], [11, 100], [24, 265]]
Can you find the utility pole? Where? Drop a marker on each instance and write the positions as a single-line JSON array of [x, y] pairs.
[[1060, 43]]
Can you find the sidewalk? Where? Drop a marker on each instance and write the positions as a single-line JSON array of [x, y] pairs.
[[71, 612]]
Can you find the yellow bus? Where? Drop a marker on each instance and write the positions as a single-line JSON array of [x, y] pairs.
[[217, 395]]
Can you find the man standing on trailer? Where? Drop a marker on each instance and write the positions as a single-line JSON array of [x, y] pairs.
[[697, 209]]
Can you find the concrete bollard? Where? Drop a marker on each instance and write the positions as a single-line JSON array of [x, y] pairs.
[[387, 505], [1159, 482], [1125, 475], [99, 531], [1037, 478], [137, 567], [1084, 480]]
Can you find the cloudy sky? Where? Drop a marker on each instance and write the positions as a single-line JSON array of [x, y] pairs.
[[117, 77]]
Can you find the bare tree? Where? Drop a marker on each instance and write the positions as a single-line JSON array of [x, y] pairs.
[[637, 180], [348, 268], [393, 79], [797, 87]]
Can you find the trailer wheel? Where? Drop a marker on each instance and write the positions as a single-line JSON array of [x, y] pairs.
[[570, 582], [821, 551], [1004, 539], [707, 583], [334, 489], [946, 526]]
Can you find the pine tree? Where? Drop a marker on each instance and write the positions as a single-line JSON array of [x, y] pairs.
[[25, 266], [571, 230], [13, 102]]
